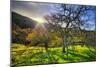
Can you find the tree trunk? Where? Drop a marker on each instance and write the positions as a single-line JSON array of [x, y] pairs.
[[63, 49], [64, 44], [46, 46]]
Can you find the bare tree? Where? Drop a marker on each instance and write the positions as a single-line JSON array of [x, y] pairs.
[[66, 18]]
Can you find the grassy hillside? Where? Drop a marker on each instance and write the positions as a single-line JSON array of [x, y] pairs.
[[26, 55]]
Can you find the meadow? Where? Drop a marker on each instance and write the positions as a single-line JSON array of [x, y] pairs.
[[29, 55]]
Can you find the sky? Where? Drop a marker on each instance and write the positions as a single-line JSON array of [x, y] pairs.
[[31, 9], [37, 11]]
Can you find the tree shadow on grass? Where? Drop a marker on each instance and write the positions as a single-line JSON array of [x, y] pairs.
[[86, 57]]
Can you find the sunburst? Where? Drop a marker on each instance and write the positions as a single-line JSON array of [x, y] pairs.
[[39, 20]]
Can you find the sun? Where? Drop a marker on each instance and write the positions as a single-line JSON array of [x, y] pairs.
[[39, 20]]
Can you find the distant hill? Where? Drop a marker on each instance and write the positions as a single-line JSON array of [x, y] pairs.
[[22, 21], [21, 26]]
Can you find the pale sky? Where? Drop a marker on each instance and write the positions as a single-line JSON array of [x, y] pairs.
[[31, 9]]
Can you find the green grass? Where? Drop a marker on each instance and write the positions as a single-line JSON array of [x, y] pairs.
[[25, 55]]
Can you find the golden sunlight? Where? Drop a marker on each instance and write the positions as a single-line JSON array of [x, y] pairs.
[[39, 20]]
